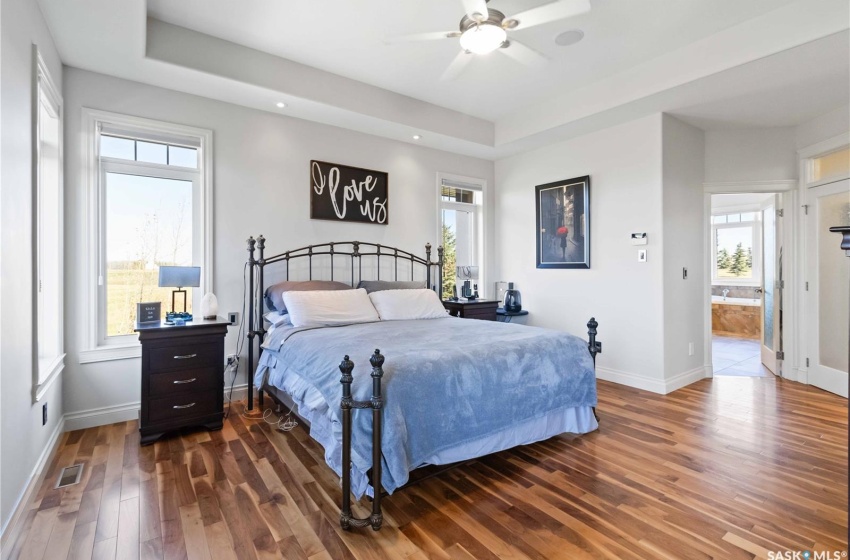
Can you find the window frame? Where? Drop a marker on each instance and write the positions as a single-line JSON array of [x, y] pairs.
[[46, 371], [479, 218], [756, 226], [99, 347]]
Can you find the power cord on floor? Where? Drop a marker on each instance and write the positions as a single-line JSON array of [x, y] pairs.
[[283, 422]]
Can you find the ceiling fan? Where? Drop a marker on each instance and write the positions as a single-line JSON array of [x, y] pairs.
[[483, 30]]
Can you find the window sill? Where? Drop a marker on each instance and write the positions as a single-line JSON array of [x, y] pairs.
[[53, 370], [109, 353]]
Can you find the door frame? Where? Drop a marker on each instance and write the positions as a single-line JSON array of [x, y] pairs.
[[805, 157], [791, 294]]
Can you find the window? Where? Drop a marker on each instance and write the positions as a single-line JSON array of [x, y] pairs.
[[737, 246], [829, 167], [47, 229], [461, 228], [150, 203]]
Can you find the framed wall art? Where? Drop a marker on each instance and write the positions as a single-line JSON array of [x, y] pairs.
[[348, 194], [563, 223]]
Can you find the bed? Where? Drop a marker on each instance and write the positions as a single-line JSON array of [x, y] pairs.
[[442, 390]]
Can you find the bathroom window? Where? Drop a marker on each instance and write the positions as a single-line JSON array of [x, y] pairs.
[[736, 248]]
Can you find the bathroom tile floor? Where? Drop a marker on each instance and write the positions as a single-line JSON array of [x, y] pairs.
[[737, 356]]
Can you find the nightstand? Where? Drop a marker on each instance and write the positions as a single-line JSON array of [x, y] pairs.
[[182, 377], [484, 309]]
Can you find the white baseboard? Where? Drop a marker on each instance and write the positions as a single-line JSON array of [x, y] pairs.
[[631, 379], [655, 385], [32, 484], [101, 416], [683, 379]]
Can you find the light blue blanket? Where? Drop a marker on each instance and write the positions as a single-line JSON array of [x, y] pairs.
[[446, 381]]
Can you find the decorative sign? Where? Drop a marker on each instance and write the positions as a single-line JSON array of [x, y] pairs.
[[348, 194], [148, 313]]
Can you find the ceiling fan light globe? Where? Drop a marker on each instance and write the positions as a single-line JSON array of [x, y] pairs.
[[483, 38]]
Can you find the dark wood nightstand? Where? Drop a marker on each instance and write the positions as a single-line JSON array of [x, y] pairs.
[[484, 309], [182, 377]]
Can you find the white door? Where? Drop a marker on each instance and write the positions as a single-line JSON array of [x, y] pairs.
[[828, 275], [771, 274]]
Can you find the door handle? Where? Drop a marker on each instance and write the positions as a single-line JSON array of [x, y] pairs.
[[185, 357], [190, 405], [182, 381]]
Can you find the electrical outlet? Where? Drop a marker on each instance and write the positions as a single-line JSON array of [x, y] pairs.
[[231, 359], [684, 273], [233, 317], [44, 414], [690, 348]]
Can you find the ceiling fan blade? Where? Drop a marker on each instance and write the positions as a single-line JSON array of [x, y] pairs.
[[476, 7], [524, 54], [432, 36], [561, 9], [456, 67]]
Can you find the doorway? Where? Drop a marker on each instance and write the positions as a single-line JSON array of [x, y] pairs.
[[746, 279]]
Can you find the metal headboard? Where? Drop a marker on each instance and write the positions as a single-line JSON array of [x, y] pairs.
[[350, 253]]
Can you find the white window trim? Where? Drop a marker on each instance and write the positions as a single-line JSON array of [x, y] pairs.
[[92, 121], [757, 233], [43, 82], [480, 218]]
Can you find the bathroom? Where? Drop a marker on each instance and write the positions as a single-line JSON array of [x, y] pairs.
[[745, 265]]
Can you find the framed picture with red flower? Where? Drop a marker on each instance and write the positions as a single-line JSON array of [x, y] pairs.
[[563, 223]]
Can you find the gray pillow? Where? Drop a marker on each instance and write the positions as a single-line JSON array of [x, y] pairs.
[[274, 293], [383, 285]]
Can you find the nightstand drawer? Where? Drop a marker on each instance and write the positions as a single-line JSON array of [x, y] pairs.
[[182, 381], [186, 356], [185, 405]]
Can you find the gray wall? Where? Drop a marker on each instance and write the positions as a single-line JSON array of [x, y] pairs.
[[624, 164], [261, 186], [683, 171], [23, 440]]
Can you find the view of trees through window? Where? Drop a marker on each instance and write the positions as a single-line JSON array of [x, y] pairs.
[[148, 224], [449, 261], [734, 236]]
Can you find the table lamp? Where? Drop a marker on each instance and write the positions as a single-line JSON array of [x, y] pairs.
[[179, 277]]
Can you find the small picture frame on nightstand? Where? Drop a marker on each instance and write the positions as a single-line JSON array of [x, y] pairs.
[[148, 313]]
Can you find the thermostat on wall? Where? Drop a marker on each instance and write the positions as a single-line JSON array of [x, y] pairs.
[[638, 239]]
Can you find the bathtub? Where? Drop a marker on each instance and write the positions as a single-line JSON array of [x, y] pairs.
[[739, 317], [736, 301]]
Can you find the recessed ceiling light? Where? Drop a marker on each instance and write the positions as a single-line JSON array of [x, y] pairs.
[[416, 137], [570, 37], [280, 104]]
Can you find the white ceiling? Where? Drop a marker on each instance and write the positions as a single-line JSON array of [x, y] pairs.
[[346, 38], [714, 63]]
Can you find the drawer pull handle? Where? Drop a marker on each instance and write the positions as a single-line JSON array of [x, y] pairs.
[[182, 381], [190, 405], [186, 357]]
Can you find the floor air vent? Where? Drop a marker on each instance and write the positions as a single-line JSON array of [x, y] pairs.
[[70, 475]]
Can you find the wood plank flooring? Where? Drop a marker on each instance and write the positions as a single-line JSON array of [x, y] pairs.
[[727, 468]]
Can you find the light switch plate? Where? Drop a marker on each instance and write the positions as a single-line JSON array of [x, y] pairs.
[[641, 255]]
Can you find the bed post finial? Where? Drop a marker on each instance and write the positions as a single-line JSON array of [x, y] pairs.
[[251, 243], [428, 252], [261, 245], [593, 346]]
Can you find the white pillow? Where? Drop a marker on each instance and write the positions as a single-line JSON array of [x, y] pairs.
[[276, 318], [327, 308], [400, 305]]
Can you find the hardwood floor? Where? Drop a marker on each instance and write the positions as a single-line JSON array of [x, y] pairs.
[[727, 468]]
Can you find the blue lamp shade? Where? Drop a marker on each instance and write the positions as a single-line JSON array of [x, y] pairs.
[[179, 276]]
